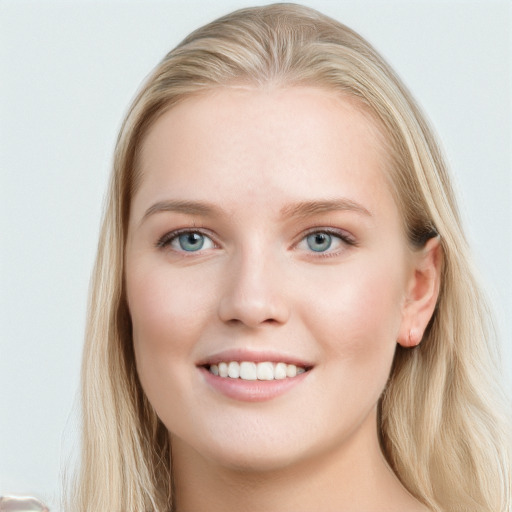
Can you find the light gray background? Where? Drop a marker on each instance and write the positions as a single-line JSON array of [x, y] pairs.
[[67, 73]]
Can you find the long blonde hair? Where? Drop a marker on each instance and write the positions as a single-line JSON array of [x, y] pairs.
[[442, 418]]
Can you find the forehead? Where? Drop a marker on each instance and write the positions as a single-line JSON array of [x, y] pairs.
[[299, 141]]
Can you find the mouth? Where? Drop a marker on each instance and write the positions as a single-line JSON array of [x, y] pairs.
[[251, 371], [253, 376]]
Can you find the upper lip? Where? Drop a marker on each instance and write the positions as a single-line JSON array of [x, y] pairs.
[[255, 356]]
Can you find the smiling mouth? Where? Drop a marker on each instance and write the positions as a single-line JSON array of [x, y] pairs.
[[248, 370]]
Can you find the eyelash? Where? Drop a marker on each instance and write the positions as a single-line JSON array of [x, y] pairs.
[[166, 239], [347, 239]]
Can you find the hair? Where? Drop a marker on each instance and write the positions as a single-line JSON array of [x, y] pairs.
[[442, 418]]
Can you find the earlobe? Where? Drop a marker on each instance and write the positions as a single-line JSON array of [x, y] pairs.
[[414, 338], [422, 293]]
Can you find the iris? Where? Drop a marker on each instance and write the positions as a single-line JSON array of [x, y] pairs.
[[319, 242], [191, 241]]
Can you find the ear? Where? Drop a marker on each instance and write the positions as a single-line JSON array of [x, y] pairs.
[[422, 293]]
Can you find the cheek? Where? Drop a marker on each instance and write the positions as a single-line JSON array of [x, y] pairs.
[[168, 317], [359, 311], [165, 308]]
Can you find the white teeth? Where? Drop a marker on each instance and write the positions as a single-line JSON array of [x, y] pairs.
[[247, 370], [223, 369], [280, 371], [233, 370], [291, 370], [265, 371]]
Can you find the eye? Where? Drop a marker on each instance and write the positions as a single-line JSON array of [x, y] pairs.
[[319, 242], [186, 241], [325, 241]]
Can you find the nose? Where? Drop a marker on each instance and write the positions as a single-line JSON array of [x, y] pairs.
[[254, 293]]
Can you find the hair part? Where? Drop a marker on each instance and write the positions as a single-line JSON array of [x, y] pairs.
[[442, 420]]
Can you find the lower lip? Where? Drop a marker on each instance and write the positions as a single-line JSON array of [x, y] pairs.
[[252, 390]]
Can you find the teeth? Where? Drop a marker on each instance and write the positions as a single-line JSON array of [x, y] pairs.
[[223, 369], [233, 370], [247, 370], [265, 371], [280, 371]]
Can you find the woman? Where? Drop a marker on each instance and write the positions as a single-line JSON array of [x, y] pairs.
[[283, 315]]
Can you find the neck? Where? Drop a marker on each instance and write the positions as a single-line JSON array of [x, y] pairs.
[[353, 477]]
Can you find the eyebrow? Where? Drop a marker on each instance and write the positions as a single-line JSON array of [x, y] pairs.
[[296, 210], [307, 208], [186, 207]]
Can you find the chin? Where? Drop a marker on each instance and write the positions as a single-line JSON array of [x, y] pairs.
[[266, 449], [255, 461]]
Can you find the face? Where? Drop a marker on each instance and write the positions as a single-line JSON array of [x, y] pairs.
[[264, 239]]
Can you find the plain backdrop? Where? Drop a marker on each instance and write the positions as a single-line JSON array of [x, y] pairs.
[[68, 71]]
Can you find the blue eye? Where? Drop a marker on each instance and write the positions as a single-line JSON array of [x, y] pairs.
[[190, 241], [186, 241], [319, 242], [326, 241]]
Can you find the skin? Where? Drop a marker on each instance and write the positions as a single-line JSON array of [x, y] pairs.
[[254, 155]]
